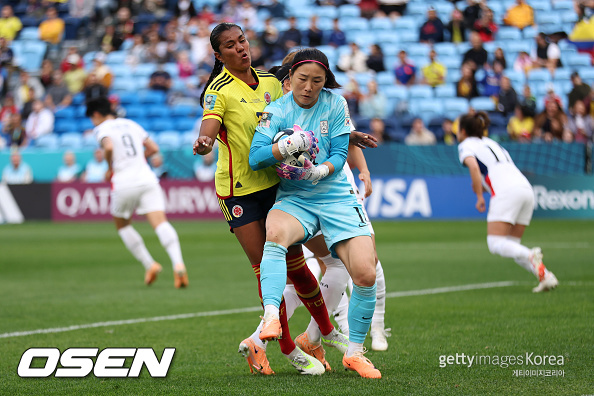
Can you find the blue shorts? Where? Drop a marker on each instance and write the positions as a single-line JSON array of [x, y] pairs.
[[338, 221]]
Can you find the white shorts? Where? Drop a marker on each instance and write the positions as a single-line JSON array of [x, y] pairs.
[[361, 199], [514, 206], [142, 200]]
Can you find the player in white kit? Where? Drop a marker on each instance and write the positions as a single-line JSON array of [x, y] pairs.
[[512, 199], [135, 188]]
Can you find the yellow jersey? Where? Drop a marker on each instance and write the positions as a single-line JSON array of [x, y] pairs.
[[239, 108]]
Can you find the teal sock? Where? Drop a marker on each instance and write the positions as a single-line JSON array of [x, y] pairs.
[[361, 309], [273, 273]]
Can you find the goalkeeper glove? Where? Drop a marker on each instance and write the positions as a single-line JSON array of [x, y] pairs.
[[297, 142]]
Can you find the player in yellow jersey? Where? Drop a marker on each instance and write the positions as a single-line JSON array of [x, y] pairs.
[[233, 101]]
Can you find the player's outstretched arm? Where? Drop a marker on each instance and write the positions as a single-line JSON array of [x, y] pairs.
[[356, 159], [208, 134], [362, 140], [150, 147]]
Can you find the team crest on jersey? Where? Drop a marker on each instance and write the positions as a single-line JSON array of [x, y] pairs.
[[209, 101], [265, 120], [324, 127], [237, 211], [267, 97]]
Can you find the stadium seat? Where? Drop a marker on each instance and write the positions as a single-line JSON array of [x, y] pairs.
[[184, 110], [552, 17], [162, 124], [416, 8], [482, 104], [445, 91], [349, 10], [387, 37], [85, 124], [121, 85], [330, 12], [78, 99], [385, 78], [453, 76], [187, 139], [381, 24], [419, 50], [408, 36], [152, 97], [66, 113], [518, 46], [89, 141], [63, 125], [127, 98], [397, 92], [579, 60], [569, 17], [71, 141], [420, 91], [540, 76], [454, 107], [144, 70], [168, 140], [407, 23], [587, 74], [446, 50], [136, 111], [157, 111], [29, 33], [347, 24], [530, 32], [563, 74], [451, 62], [427, 108], [184, 124], [509, 33], [48, 142]]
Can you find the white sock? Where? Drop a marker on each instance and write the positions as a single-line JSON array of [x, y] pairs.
[[524, 262], [271, 310], [292, 300], [170, 241], [313, 331], [380, 302], [354, 347], [334, 281], [256, 336], [136, 246], [293, 354], [341, 315], [314, 267], [506, 247]]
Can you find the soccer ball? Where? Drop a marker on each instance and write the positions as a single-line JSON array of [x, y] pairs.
[[297, 159]]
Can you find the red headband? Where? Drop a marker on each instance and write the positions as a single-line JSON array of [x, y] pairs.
[[310, 60]]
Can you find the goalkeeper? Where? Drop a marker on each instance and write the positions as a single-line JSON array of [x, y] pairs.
[[315, 198]]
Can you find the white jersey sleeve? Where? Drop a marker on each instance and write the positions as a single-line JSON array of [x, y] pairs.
[[129, 164]]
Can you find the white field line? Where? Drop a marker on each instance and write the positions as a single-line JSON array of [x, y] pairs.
[[422, 292]]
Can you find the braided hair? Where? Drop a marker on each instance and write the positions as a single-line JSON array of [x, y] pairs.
[[215, 43]]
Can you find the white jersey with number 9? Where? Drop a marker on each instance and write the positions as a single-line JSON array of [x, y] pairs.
[[130, 168]]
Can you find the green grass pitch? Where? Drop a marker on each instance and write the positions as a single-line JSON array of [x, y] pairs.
[[59, 275]]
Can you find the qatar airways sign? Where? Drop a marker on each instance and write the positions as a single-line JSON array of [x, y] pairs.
[[183, 200]]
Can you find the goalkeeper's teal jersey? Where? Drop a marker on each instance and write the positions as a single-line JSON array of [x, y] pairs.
[[328, 118]]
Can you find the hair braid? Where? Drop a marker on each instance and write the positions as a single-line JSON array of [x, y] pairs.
[[216, 70]]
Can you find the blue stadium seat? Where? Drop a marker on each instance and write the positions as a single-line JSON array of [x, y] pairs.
[[419, 50], [63, 125], [162, 124], [451, 62], [563, 74], [66, 113], [420, 92], [136, 111], [482, 104], [509, 33], [157, 111], [408, 36], [385, 78], [145, 123], [48, 142], [349, 10], [71, 140], [122, 85], [569, 17], [380, 24], [454, 107], [446, 50], [363, 38], [445, 91], [127, 98], [540, 76], [386, 37], [530, 32], [184, 110], [29, 33], [416, 8], [563, 5], [347, 24], [30, 22], [121, 71], [187, 139], [362, 79], [397, 92], [519, 45], [169, 140], [453, 76], [586, 73], [515, 76], [152, 97], [330, 12], [443, 7], [184, 124], [426, 108], [89, 141], [85, 124], [553, 17], [78, 99], [578, 60], [407, 23], [144, 70], [172, 69], [88, 57]]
